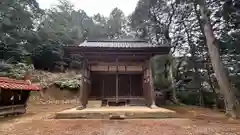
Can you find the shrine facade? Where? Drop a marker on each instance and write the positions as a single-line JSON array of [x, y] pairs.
[[117, 71]]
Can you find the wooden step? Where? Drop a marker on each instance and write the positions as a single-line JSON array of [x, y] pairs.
[[137, 102], [13, 109], [11, 106]]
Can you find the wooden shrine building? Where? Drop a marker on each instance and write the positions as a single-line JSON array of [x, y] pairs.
[[117, 71]]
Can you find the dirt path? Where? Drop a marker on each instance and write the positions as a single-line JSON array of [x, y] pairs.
[[39, 121], [34, 112]]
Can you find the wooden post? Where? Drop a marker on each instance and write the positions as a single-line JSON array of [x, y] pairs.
[[146, 84], [117, 87], [103, 88], [88, 84], [152, 90], [81, 94], [117, 82], [0, 94], [84, 88], [130, 86]]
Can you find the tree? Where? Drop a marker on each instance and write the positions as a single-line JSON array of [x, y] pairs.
[[116, 23], [179, 24], [62, 25], [59, 26], [17, 33], [100, 27], [156, 18], [231, 103]]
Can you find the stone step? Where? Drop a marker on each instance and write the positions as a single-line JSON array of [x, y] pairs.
[[116, 113], [94, 103], [117, 116]]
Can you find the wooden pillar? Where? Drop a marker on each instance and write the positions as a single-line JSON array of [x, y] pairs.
[[83, 93], [152, 89], [117, 87], [130, 86], [1, 96], [145, 85], [85, 85], [117, 83], [103, 87]]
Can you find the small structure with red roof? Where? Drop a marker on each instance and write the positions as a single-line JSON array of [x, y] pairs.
[[13, 84], [14, 95]]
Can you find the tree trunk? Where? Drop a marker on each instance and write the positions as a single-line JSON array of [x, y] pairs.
[[221, 76], [216, 106], [206, 55], [196, 75], [173, 84]]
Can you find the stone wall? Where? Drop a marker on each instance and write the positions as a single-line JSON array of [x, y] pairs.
[[55, 95]]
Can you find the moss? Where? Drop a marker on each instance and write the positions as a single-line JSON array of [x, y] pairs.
[[71, 84], [16, 71]]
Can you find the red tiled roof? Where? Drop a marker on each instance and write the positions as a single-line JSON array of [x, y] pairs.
[[7, 83]]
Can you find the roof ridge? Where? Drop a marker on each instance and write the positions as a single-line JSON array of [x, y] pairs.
[[116, 41], [118, 44]]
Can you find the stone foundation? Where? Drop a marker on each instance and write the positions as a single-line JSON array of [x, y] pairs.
[[133, 112]]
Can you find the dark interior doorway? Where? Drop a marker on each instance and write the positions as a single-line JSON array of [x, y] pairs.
[[106, 85]]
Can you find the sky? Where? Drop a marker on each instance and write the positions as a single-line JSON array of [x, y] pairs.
[[92, 7]]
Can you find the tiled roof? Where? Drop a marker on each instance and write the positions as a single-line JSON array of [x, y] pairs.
[[118, 44], [7, 83]]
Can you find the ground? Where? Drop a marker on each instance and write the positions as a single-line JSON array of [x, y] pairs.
[[192, 121]]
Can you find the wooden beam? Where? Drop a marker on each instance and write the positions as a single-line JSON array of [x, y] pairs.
[[108, 68], [119, 53], [113, 57], [119, 72], [134, 68], [154, 50], [94, 63]]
